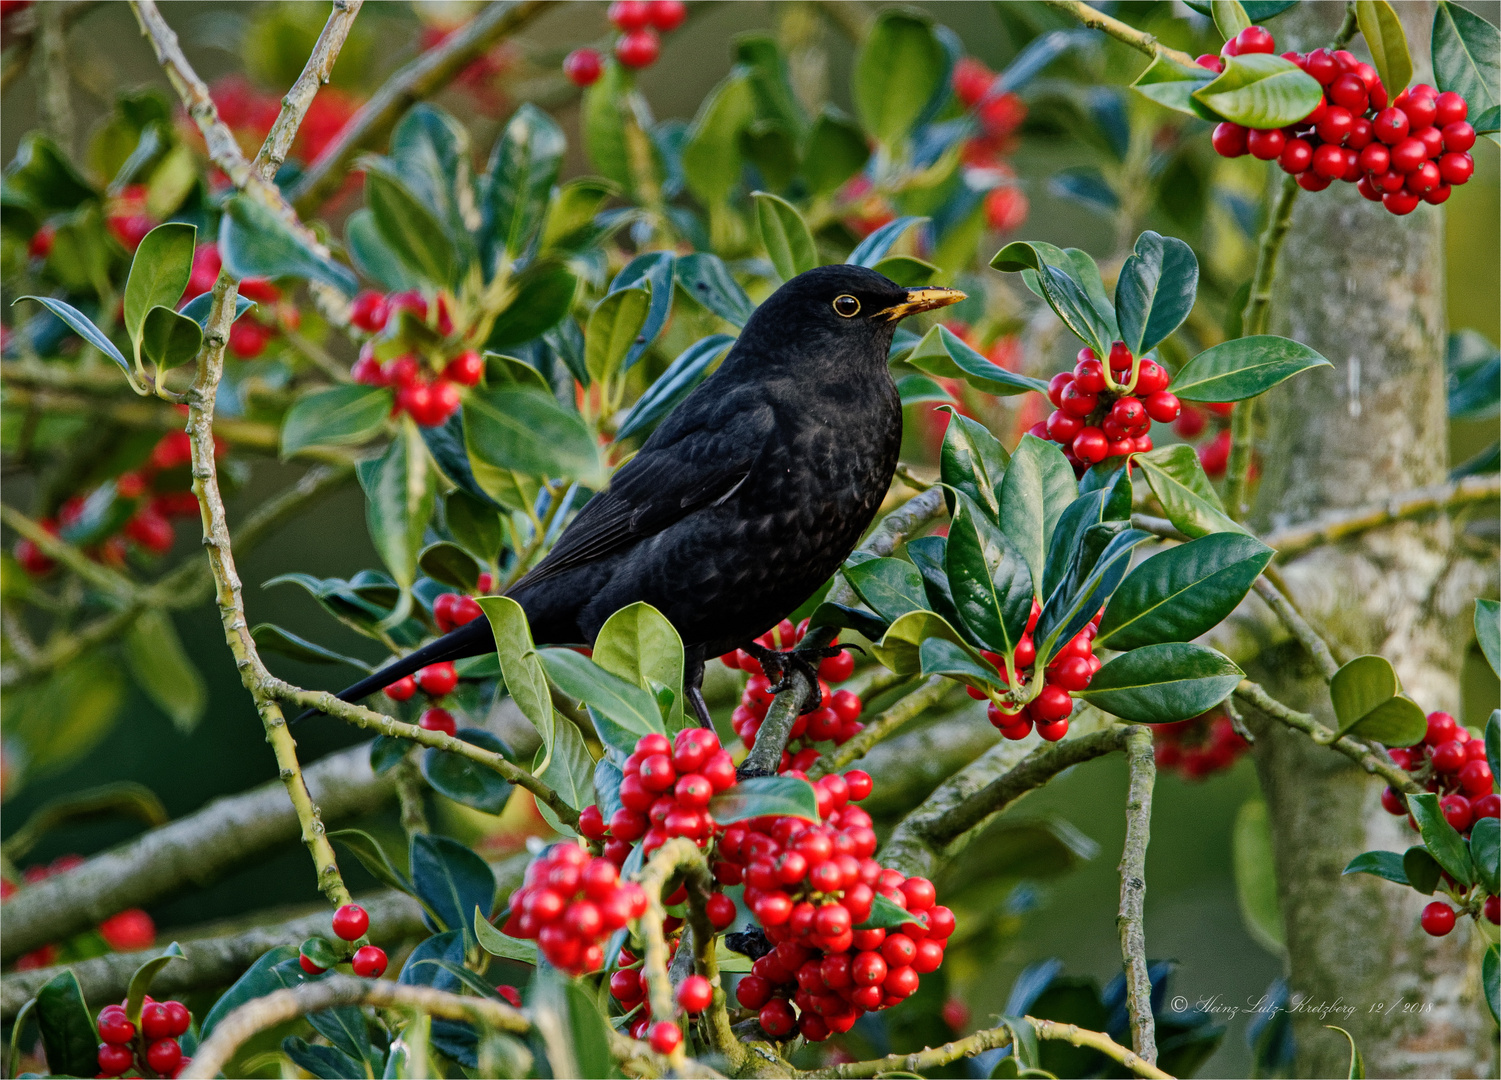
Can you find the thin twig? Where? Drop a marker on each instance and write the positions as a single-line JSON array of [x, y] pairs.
[[1133, 872], [1129, 35], [1255, 695], [53, 101], [316, 73], [1404, 506], [417, 81], [659, 869], [1295, 622]]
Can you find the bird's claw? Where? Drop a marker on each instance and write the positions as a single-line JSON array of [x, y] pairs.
[[780, 665]]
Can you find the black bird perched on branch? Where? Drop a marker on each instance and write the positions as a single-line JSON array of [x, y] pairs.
[[747, 497]]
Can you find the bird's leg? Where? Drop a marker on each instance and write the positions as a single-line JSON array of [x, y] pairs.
[[693, 682]]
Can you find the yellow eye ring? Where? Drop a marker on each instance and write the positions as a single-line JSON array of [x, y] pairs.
[[847, 306]]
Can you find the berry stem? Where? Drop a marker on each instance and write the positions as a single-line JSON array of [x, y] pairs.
[[1133, 872], [1129, 35]]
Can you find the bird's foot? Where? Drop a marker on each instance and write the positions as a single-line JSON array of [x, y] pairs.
[[778, 665]]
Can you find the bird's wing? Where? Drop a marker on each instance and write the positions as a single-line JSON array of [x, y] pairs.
[[698, 456]]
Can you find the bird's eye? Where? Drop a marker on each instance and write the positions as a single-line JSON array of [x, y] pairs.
[[847, 306]]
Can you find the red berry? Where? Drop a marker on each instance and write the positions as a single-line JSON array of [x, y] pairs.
[[1296, 157], [369, 311], [466, 369], [1329, 161], [308, 966], [1335, 125], [1408, 154], [637, 49], [1322, 66], [1424, 178], [666, 1036], [436, 719], [156, 1022], [1486, 806], [1210, 61], [1493, 909], [1456, 168], [1391, 126], [1456, 809], [1265, 143], [1229, 140], [1376, 158], [1400, 202], [1349, 91], [1421, 111], [630, 14], [114, 1059], [401, 689], [163, 1056], [1090, 445], [1052, 703], [369, 962], [178, 1017], [1062, 426], [1393, 802], [667, 15], [1438, 918], [583, 67], [1058, 384], [114, 1027], [1449, 757], [1254, 39], [695, 994], [1362, 133], [1458, 137], [776, 1018], [438, 679], [1475, 778], [351, 921], [721, 911], [1449, 108], [1442, 728], [1054, 731]]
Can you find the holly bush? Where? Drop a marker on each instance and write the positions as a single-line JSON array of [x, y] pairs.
[[473, 285]]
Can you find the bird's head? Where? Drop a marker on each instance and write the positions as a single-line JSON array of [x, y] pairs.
[[846, 309]]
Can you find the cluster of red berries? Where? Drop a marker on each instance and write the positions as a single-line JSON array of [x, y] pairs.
[[430, 398], [999, 115], [664, 793], [1199, 746], [153, 1050], [350, 923], [836, 720], [150, 527], [638, 46], [435, 681], [1449, 761], [811, 887], [129, 931], [1069, 671], [1099, 414], [1413, 150], [570, 904]]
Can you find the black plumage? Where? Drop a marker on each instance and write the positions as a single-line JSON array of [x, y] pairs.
[[746, 498]]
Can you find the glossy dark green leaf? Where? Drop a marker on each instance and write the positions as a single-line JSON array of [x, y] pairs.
[[900, 647], [629, 710], [1493, 742], [1155, 290], [430, 153], [614, 325], [885, 914], [163, 669], [373, 857], [784, 235], [874, 247], [762, 796], [525, 680], [409, 228], [929, 554], [889, 587], [144, 976], [544, 295], [1382, 29], [1488, 632], [373, 257], [837, 150], [907, 271], [524, 431], [269, 637], [638, 644], [321, 952], [1490, 980], [1243, 368], [255, 242], [68, 1035], [1099, 562], [989, 578], [398, 503], [849, 618], [1445, 844], [1259, 11], [940, 657], [451, 879], [260, 979], [942, 354], [1422, 870], [574, 1031], [1182, 592], [1485, 852], [898, 67], [1173, 84], [159, 273], [705, 277], [1160, 684], [475, 524], [771, 80], [1039, 484], [1260, 90], [42, 176], [654, 269], [168, 339], [450, 564], [568, 769], [337, 416], [1061, 288], [1077, 518], [1187, 497], [711, 154], [466, 781], [604, 116], [345, 1028], [1382, 864], [84, 327], [1365, 694], [523, 168], [919, 389], [1473, 366], [972, 461], [689, 369], [571, 212], [1466, 56]]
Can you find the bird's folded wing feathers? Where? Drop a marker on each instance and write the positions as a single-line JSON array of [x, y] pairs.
[[680, 469]]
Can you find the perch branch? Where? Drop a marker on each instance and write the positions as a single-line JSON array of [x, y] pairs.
[[417, 81], [1133, 872], [1122, 32]]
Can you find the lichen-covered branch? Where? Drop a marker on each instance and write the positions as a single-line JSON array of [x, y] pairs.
[[1344, 525], [1133, 871], [1255, 695], [191, 851], [1317, 648], [417, 81], [315, 74], [1122, 32], [771, 740]]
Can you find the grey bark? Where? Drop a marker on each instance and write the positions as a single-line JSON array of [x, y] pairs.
[[1366, 290]]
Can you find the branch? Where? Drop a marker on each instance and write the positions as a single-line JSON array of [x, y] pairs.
[[771, 740], [928, 694], [1405, 506], [59, 550], [417, 81], [315, 74], [1310, 640], [1256, 696], [193, 850], [1129, 35], [1096, 1040], [24, 37], [1133, 872], [138, 413]]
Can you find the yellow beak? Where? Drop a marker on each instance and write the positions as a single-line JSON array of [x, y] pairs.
[[920, 300]]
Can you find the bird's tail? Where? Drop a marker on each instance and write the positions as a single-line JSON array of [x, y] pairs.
[[471, 639]]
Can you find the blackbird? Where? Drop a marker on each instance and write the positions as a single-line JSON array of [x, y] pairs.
[[746, 498]]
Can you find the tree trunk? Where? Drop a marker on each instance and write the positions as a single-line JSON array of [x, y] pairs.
[[1366, 289]]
